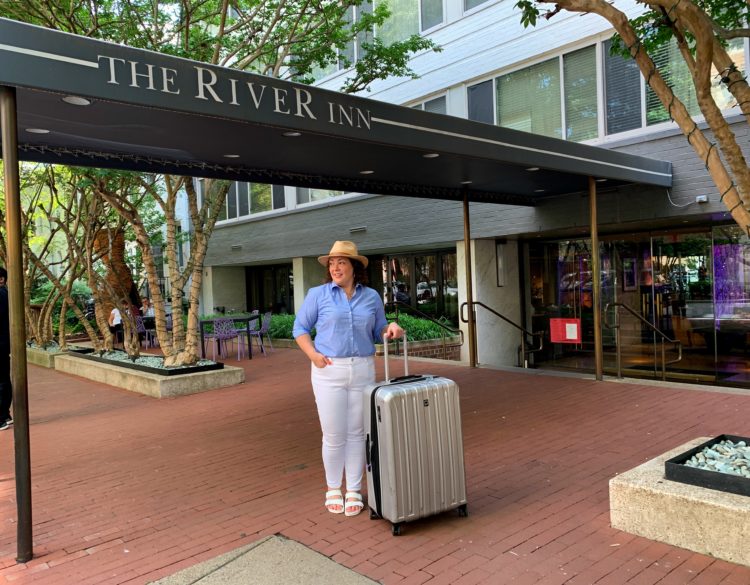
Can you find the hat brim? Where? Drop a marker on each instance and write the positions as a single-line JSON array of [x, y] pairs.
[[324, 259]]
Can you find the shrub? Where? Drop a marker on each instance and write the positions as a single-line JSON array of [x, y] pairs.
[[420, 329], [41, 290], [281, 326], [416, 329]]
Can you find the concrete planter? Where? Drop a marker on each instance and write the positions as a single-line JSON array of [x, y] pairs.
[[708, 521], [147, 383], [39, 357]]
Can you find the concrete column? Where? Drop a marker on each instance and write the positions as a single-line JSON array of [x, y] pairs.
[[228, 289], [307, 273], [497, 342], [460, 263], [207, 291]]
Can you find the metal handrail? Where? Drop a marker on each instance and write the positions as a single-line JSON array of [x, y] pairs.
[[664, 338], [522, 350], [421, 315]]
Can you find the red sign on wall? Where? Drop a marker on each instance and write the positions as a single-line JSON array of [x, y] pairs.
[[565, 330]]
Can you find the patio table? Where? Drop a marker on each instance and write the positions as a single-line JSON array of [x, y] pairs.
[[235, 320]]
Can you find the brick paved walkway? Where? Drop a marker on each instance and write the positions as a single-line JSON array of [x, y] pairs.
[[128, 489]]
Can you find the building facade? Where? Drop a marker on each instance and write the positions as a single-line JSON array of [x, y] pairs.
[[674, 267]]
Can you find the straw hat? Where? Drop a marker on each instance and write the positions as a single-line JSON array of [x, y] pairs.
[[343, 249]]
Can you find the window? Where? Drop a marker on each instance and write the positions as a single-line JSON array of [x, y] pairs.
[[260, 198], [438, 105], [353, 50], [410, 17], [179, 242], [348, 53], [622, 92], [559, 97], [579, 75], [244, 199], [426, 281], [529, 99], [305, 195], [481, 103], [724, 99], [270, 288], [432, 13], [363, 38], [231, 201], [279, 198], [469, 4], [243, 204], [676, 74], [223, 211]]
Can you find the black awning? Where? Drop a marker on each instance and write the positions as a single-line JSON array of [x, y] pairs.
[[151, 112]]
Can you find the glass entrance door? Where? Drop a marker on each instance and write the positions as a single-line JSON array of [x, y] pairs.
[[692, 286], [683, 296], [629, 282], [663, 279], [561, 287], [729, 321]]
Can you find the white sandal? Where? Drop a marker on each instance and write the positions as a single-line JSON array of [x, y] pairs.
[[358, 504], [332, 500]]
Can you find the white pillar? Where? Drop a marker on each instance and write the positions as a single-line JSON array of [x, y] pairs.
[[207, 291], [307, 273], [228, 289], [497, 341]]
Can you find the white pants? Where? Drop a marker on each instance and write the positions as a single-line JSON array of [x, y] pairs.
[[338, 392]]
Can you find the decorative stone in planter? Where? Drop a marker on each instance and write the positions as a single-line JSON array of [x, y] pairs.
[[145, 363], [143, 379]]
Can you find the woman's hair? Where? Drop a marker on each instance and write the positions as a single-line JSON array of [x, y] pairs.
[[360, 273]]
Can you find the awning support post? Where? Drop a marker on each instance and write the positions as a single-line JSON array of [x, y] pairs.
[[9, 135], [469, 286], [597, 284]]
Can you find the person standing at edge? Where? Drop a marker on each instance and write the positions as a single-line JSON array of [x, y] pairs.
[[6, 389], [115, 322], [349, 318]]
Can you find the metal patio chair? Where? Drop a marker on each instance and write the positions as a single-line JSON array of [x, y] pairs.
[[224, 331], [148, 334], [262, 331]]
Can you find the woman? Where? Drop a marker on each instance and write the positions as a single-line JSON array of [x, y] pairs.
[[349, 318]]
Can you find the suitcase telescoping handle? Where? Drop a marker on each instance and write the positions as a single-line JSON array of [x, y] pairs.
[[406, 375]]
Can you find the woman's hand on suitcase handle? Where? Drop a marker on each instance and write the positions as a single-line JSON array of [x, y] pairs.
[[393, 331]]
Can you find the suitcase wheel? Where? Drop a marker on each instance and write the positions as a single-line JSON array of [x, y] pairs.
[[396, 529], [463, 510], [374, 515]]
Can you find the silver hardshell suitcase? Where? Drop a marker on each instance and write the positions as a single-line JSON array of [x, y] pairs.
[[415, 456]]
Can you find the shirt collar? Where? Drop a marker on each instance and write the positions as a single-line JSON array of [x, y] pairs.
[[335, 286]]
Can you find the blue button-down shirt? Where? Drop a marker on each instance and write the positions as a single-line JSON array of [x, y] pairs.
[[344, 328]]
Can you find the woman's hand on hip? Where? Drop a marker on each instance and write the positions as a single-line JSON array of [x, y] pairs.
[[320, 361]]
